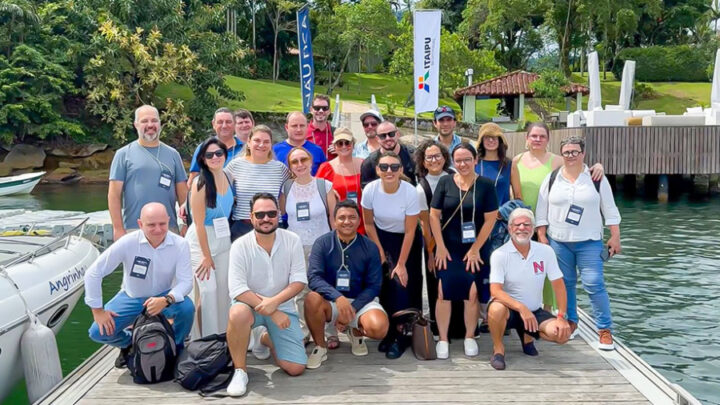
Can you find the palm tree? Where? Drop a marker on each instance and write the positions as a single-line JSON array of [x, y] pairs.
[[17, 11]]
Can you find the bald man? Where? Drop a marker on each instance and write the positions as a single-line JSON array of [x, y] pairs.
[[296, 128], [156, 275]]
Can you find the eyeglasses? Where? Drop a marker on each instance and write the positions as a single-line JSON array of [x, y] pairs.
[[370, 124], [571, 153], [297, 161], [217, 153], [343, 143], [465, 161], [432, 158], [394, 167], [390, 134], [523, 224], [262, 214], [321, 107]]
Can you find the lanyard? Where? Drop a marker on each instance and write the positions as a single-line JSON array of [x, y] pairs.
[[462, 221], [156, 157], [357, 184], [343, 250], [482, 171]]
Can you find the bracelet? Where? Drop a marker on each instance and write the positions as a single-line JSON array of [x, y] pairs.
[[560, 315]]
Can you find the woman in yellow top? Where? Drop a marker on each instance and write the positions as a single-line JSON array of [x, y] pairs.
[[530, 168]]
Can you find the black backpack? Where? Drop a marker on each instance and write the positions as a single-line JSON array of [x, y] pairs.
[[152, 357], [203, 360]]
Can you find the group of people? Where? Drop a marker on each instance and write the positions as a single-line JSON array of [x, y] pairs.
[[317, 235]]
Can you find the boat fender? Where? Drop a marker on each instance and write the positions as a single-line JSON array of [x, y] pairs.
[[41, 360]]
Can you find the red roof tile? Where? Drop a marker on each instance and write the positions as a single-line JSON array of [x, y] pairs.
[[511, 84]]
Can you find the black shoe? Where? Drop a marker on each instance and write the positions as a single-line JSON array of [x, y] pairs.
[[497, 361], [121, 361], [384, 344], [396, 349], [483, 328], [529, 349]]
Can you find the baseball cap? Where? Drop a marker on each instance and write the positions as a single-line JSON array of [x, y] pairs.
[[442, 112], [371, 113], [343, 134]]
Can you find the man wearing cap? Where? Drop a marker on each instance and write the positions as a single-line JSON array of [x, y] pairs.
[[296, 127], [370, 120], [444, 122], [389, 137], [223, 124], [320, 132]]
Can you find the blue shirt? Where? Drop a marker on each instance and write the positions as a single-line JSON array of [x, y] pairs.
[[489, 170], [455, 142], [223, 206], [362, 259], [362, 150], [232, 153], [283, 148]]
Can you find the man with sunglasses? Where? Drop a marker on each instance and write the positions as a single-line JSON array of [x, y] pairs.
[[223, 124], [267, 270], [370, 120], [320, 132], [296, 128], [389, 138], [444, 121]]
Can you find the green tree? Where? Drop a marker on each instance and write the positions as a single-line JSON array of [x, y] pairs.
[[452, 11], [15, 17], [549, 88]]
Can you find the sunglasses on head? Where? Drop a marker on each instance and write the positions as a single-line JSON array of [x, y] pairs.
[[321, 107], [301, 160], [218, 153], [370, 124], [394, 167], [262, 214], [390, 134]]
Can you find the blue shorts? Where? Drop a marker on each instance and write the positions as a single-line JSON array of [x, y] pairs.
[[288, 343]]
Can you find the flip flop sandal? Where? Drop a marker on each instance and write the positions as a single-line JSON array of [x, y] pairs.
[[333, 342]]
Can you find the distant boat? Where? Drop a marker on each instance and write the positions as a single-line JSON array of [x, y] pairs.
[[20, 184]]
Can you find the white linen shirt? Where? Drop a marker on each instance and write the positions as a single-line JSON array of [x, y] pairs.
[[252, 269], [169, 268], [552, 210], [523, 278]]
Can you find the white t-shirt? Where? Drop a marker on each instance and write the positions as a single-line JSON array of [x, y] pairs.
[[523, 278], [390, 210], [433, 182], [317, 225]]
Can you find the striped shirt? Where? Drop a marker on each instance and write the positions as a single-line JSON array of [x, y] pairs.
[[251, 178]]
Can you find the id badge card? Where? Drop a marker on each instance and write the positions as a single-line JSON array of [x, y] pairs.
[[303, 211], [352, 195], [468, 232], [574, 215], [343, 280], [165, 179], [221, 227], [140, 267]]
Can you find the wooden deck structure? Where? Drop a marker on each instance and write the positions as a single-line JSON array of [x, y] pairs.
[[573, 373]]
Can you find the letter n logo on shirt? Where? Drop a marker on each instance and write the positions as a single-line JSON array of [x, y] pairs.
[[539, 267]]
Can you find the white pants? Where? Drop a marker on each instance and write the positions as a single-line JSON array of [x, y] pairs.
[[211, 296]]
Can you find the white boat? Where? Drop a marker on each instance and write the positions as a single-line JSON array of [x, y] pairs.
[[48, 272], [20, 184]]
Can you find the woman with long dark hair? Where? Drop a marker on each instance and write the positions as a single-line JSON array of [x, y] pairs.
[[493, 163], [211, 202]]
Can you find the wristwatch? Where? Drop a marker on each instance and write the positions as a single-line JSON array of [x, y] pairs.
[[169, 299], [561, 315]]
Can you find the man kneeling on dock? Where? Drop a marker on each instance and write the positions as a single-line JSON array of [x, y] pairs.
[[156, 276], [267, 270], [517, 275], [345, 276]]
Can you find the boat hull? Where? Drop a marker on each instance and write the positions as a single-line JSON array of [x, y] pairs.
[[22, 184]]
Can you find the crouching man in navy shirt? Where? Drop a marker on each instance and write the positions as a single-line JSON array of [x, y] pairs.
[[156, 276], [345, 275]]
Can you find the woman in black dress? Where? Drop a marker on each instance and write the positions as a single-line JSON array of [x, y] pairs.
[[462, 215]]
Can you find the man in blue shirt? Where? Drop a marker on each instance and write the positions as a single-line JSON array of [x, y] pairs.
[[344, 276], [223, 124], [444, 122], [296, 127]]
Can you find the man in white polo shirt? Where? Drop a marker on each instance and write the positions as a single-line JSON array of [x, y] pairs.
[[267, 270], [156, 275], [517, 275]]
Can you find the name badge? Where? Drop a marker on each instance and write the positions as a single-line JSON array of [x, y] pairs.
[[343, 280], [303, 211], [574, 215], [140, 267], [165, 179], [352, 195], [221, 227], [468, 232]]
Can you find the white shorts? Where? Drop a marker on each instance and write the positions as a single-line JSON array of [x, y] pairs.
[[374, 304]]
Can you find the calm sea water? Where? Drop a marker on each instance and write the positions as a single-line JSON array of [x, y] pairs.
[[664, 288]]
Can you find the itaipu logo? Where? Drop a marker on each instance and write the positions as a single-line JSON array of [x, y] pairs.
[[427, 62]]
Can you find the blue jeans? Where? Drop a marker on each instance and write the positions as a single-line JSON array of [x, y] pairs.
[[584, 257], [128, 309]]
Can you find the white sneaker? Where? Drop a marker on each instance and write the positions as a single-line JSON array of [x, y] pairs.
[[251, 342], [359, 348], [316, 357], [238, 384], [259, 350], [442, 348], [471, 347]]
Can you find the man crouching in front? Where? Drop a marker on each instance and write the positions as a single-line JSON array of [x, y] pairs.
[[267, 269], [517, 274]]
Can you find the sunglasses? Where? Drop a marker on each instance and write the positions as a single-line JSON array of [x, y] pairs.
[[343, 143], [394, 167], [321, 107], [262, 214], [301, 160], [370, 124], [217, 153], [390, 134]]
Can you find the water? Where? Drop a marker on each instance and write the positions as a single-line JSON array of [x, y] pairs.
[[663, 288]]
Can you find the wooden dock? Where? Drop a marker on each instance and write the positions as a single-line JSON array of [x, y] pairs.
[[573, 373]]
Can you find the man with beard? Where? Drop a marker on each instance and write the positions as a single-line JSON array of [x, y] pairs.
[[142, 172], [319, 131], [267, 270], [370, 120], [517, 275], [444, 122], [389, 137]]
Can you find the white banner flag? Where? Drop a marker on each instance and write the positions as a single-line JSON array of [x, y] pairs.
[[426, 59]]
